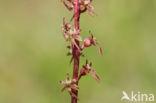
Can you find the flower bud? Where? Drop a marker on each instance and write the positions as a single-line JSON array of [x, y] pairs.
[[87, 42]]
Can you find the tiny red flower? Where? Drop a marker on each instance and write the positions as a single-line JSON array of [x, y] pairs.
[[70, 33], [70, 85], [87, 68], [91, 41], [86, 5]]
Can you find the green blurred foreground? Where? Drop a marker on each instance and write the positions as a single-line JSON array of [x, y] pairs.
[[33, 51]]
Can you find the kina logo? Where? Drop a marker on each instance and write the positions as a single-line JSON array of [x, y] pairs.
[[137, 97]]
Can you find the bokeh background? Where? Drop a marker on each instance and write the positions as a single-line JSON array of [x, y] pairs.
[[33, 51]]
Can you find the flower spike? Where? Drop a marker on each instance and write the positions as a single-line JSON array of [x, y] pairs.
[[71, 33]]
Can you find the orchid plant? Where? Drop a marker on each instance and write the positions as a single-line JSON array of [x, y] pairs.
[[71, 33]]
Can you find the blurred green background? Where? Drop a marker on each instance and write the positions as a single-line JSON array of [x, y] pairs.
[[33, 51]]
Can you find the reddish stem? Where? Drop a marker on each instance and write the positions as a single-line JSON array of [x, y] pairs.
[[76, 53]]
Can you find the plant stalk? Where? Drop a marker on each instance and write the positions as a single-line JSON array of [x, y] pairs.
[[76, 52]]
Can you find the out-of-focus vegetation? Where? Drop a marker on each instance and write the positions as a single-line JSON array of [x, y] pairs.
[[33, 50]]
